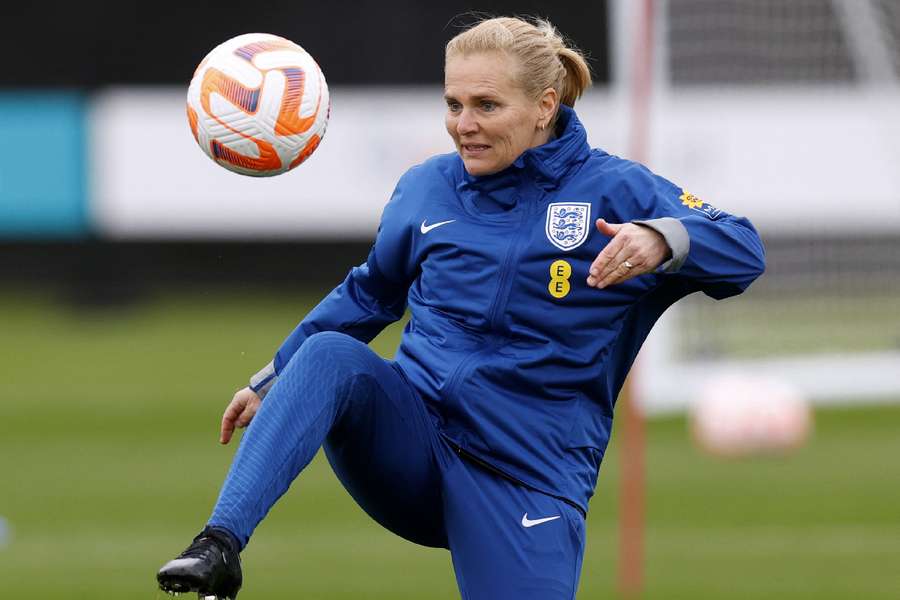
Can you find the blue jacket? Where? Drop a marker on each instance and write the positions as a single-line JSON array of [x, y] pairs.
[[518, 360]]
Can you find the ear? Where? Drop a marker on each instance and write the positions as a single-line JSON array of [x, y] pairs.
[[547, 105]]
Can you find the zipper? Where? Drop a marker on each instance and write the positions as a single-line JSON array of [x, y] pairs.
[[463, 367], [512, 256], [504, 475], [500, 299]]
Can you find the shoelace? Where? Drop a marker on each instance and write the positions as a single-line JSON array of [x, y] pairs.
[[197, 548]]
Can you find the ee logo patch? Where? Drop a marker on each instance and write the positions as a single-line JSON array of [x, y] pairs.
[[559, 285]]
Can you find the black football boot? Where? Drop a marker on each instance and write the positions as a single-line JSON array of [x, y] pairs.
[[210, 566]]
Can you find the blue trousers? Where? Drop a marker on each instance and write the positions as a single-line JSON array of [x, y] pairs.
[[507, 541]]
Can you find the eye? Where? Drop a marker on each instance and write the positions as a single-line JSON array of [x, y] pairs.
[[488, 106], [454, 106]]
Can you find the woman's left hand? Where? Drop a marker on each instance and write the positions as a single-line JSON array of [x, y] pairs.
[[633, 250]]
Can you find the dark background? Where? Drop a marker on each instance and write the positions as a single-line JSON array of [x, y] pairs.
[[85, 46], [90, 44]]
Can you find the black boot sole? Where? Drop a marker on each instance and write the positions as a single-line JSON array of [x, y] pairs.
[[182, 585]]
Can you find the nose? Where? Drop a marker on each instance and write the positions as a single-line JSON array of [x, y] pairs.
[[466, 124]]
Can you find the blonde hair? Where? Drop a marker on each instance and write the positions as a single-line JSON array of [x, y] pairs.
[[544, 58]]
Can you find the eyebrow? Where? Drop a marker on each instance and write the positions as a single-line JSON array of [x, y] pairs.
[[476, 98]]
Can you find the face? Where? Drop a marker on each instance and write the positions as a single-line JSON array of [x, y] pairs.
[[490, 118]]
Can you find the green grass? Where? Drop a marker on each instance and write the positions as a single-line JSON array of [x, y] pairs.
[[108, 424], [793, 324]]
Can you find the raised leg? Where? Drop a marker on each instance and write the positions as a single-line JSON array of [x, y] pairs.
[[379, 440]]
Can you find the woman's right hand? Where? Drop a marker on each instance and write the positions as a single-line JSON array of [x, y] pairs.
[[239, 413]]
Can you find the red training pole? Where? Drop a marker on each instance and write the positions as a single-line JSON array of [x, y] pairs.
[[632, 492], [631, 515]]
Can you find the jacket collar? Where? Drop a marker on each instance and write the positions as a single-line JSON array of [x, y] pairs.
[[546, 165]]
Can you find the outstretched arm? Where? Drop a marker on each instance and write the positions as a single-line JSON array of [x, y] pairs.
[[372, 296], [678, 234]]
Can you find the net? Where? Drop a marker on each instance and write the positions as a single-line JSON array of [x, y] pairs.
[[826, 315], [760, 42]]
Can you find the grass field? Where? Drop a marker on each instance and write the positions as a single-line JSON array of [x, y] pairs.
[[108, 451], [793, 324]]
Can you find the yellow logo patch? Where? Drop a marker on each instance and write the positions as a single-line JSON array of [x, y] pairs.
[[559, 285], [690, 200]]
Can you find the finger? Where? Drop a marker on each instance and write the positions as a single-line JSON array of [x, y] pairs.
[[226, 431], [618, 275], [617, 251], [235, 408], [617, 270], [601, 264], [246, 416], [609, 229]]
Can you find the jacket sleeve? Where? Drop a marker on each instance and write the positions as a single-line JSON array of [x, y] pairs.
[[717, 253], [372, 296]]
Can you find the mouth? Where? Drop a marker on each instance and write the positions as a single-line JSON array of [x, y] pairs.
[[474, 150]]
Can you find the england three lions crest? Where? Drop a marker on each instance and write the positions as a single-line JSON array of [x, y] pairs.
[[568, 224]]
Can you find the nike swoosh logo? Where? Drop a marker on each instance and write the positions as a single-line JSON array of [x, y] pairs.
[[426, 228], [526, 522]]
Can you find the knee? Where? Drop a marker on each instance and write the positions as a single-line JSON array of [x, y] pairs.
[[329, 365], [330, 354], [330, 343]]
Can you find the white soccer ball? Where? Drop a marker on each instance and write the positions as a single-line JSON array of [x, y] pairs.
[[258, 105], [741, 414]]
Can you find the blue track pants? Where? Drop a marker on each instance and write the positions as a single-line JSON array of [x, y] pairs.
[[507, 541]]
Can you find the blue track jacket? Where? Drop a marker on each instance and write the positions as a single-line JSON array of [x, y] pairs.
[[518, 360]]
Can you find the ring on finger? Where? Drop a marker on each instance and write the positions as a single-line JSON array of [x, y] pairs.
[[627, 264]]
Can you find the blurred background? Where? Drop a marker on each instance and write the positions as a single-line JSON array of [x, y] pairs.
[[140, 285]]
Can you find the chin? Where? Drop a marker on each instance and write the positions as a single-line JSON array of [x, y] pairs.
[[478, 168]]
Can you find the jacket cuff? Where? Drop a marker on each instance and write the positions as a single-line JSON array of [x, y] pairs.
[[676, 237], [263, 381]]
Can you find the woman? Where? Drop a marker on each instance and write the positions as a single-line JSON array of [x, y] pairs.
[[533, 268]]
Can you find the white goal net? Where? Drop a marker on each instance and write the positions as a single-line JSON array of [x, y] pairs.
[[787, 111]]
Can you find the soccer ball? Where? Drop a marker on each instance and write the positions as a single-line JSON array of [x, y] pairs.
[[738, 414], [258, 105]]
